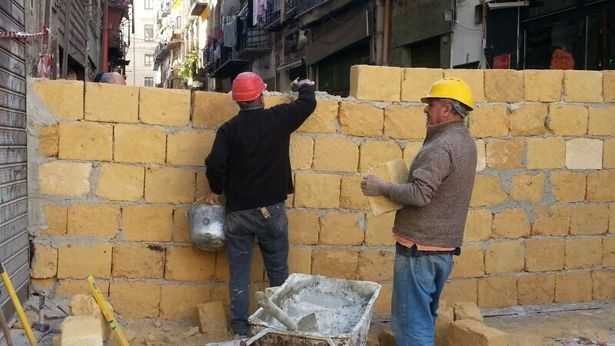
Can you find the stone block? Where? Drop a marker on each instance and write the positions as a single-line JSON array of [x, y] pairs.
[[443, 322], [60, 178], [506, 153], [536, 289], [167, 107], [600, 186], [81, 331], [582, 86], [511, 223], [376, 265], [608, 252], [460, 290], [49, 140], [475, 333], [544, 255], [341, 229], [147, 223], [380, 229], [323, 119], [602, 121], [587, 219], [179, 302], [609, 85], [63, 98], [505, 257], [573, 287], [481, 155], [471, 263], [478, 225], [300, 260], [584, 153], [180, 225], [335, 263], [545, 153], [212, 109], [134, 299], [552, 221], [56, 217], [568, 186], [301, 152], [83, 304], [378, 83], [202, 186], [412, 149], [150, 141], [138, 261], [467, 311], [189, 264], [169, 185], [85, 141], [405, 122], [361, 119], [99, 220], [45, 262], [69, 287], [335, 154], [121, 182], [497, 291], [528, 187], [543, 85], [212, 318], [528, 119], [567, 120], [303, 227], [490, 121], [276, 100], [351, 196], [377, 152], [474, 78], [504, 85], [603, 285], [416, 82], [189, 148], [123, 109], [609, 153], [487, 191], [317, 190], [583, 253], [98, 262]]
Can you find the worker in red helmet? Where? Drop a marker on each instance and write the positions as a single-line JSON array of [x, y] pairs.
[[249, 164]]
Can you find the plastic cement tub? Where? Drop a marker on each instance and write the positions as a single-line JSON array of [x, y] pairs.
[[343, 310]]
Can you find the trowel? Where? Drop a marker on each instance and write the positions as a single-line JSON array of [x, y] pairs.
[[307, 323]]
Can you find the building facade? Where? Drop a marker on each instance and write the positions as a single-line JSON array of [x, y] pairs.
[[143, 43]]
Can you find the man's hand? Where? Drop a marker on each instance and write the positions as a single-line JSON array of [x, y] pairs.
[[212, 198], [372, 185], [297, 84]]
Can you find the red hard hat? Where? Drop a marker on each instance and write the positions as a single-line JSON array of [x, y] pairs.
[[248, 86]]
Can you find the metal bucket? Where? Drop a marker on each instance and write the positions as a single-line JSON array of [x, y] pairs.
[[207, 226], [355, 329]]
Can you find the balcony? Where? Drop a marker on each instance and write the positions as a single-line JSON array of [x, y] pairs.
[[197, 7], [276, 14], [253, 42]]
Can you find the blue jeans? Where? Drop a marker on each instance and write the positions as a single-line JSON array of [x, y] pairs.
[[241, 228], [417, 284]]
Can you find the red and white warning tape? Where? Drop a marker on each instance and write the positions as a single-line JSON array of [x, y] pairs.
[[23, 35]]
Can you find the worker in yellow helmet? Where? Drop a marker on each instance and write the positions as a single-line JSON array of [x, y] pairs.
[[429, 228]]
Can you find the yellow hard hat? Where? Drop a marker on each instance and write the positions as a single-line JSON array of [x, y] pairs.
[[451, 88]]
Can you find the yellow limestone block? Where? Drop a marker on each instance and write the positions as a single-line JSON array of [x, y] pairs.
[[395, 171]]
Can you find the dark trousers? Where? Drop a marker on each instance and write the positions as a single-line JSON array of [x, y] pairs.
[[270, 228]]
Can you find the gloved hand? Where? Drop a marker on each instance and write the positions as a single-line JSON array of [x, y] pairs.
[[372, 185], [297, 84]]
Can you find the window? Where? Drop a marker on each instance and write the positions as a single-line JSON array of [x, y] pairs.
[[149, 60], [148, 31], [148, 81], [148, 4]]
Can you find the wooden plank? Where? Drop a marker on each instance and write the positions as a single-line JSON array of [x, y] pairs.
[[14, 209], [13, 227], [12, 82], [12, 63], [12, 118], [13, 173], [12, 137], [9, 24], [13, 10], [13, 191], [12, 155], [12, 101]]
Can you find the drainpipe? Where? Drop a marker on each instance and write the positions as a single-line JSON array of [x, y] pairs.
[[105, 39], [379, 41], [387, 32]]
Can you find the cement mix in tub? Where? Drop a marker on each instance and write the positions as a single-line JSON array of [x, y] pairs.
[[337, 308]]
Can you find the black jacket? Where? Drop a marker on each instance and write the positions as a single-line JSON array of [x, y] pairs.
[[249, 162]]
